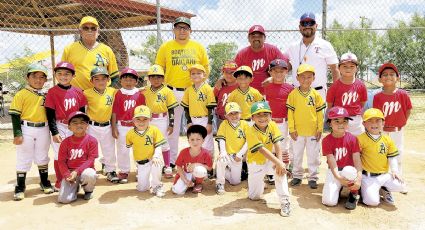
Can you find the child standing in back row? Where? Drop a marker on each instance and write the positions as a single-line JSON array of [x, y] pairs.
[[223, 93]]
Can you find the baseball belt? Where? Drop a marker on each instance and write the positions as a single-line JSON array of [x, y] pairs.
[[318, 87], [178, 89], [33, 124], [364, 172], [142, 162], [100, 124]]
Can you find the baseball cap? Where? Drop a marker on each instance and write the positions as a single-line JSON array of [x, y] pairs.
[[198, 66], [182, 20], [260, 107], [97, 70], [257, 28], [78, 114], [230, 65], [305, 68], [348, 57], [129, 71], [388, 65], [371, 113], [65, 65], [37, 68], [278, 63], [156, 70], [89, 19], [142, 111], [308, 16], [243, 69], [232, 107], [338, 112]]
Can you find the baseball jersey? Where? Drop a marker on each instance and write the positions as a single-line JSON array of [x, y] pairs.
[[144, 142], [124, 103], [394, 107], [375, 152], [65, 101], [221, 96], [342, 148], [185, 158], [176, 59], [305, 112], [234, 136], [277, 95], [85, 59], [28, 103], [99, 105], [245, 100], [198, 100], [349, 96], [259, 62], [257, 138], [77, 154], [160, 100]]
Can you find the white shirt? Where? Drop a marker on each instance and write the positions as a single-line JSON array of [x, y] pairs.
[[320, 53]]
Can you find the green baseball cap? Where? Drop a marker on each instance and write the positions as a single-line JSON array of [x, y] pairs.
[[37, 68], [98, 70], [260, 107], [182, 20]]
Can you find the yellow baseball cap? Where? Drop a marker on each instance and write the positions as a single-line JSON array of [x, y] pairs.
[[371, 113], [89, 19], [142, 111], [305, 68], [156, 70], [232, 107], [245, 69], [198, 66]]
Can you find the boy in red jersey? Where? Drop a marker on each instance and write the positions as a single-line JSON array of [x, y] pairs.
[[222, 92]]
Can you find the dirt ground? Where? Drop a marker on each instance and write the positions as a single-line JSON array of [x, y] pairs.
[[121, 206]]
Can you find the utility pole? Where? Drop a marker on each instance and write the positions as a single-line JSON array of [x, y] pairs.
[[324, 12]]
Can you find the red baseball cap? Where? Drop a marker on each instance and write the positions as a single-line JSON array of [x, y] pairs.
[[230, 65], [257, 28], [78, 114], [129, 71], [388, 65], [338, 112], [65, 65]]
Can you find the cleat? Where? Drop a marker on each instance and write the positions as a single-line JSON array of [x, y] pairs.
[[270, 179], [158, 191], [123, 178], [47, 188], [352, 201], [112, 177], [285, 209], [198, 188], [88, 195], [312, 184], [386, 196], [219, 189], [168, 172], [296, 182]]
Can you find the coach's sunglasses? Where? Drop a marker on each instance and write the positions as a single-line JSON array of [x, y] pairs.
[[308, 23], [92, 28]]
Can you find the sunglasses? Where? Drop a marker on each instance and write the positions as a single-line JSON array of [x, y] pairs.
[[184, 28], [86, 28], [308, 23]]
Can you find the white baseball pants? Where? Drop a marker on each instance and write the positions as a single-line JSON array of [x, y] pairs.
[[372, 184], [107, 145], [229, 170], [208, 141], [35, 147], [355, 126], [68, 191], [174, 137], [331, 188], [162, 124], [64, 132], [180, 187], [148, 176], [312, 148], [123, 153], [398, 138]]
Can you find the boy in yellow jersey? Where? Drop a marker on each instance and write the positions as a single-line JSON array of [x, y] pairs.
[[262, 137], [378, 155], [231, 138], [100, 100], [305, 123], [198, 102], [146, 141], [30, 131]]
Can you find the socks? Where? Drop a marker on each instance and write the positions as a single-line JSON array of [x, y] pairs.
[[166, 156], [20, 180], [44, 173]]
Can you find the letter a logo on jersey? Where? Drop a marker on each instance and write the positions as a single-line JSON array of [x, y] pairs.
[[310, 101], [241, 134], [100, 61], [249, 98], [160, 98], [382, 148], [108, 100], [148, 140], [202, 97]]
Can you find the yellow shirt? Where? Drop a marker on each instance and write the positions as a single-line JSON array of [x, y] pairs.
[[144, 142], [257, 139], [234, 136], [99, 106], [176, 60], [375, 152], [245, 100], [84, 60], [29, 105], [160, 100], [199, 100], [305, 112]]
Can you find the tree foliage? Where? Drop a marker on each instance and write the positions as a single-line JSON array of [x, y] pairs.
[[148, 49], [218, 53]]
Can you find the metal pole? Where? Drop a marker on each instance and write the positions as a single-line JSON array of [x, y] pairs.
[[158, 24], [324, 7], [52, 54]]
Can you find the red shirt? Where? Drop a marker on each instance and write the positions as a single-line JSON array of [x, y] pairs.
[[77, 154], [222, 96], [342, 148], [259, 62], [124, 105], [394, 107], [276, 95], [349, 96], [185, 158], [64, 102]]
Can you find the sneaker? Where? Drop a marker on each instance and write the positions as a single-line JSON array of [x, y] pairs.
[[296, 182], [211, 174], [312, 184], [123, 178], [197, 188], [104, 170], [285, 209], [219, 188], [47, 188], [88, 195], [158, 191], [386, 195], [352, 201], [168, 172], [19, 193], [270, 179], [112, 177]]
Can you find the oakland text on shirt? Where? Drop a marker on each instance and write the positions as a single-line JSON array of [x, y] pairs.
[[183, 57]]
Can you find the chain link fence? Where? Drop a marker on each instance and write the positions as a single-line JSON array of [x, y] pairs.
[[376, 31]]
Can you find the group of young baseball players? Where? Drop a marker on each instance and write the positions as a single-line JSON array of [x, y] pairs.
[[261, 136]]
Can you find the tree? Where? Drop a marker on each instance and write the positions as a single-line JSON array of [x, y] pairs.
[[219, 53], [148, 50]]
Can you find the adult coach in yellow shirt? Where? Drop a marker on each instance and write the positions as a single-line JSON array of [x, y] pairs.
[[176, 57], [87, 53]]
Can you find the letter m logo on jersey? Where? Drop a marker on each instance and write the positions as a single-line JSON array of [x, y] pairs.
[[310, 101]]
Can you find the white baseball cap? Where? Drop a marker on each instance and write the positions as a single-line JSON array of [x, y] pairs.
[[348, 57]]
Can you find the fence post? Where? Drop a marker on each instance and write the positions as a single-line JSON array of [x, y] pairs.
[[158, 24], [324, 12]]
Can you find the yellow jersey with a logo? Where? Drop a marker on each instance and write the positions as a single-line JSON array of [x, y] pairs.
[[257, 138], [199, 100], [144, 142], [160, 100], [245, 100], [305, 112], [29, 104], [85, 59], [375, 152], [99, 105], [234, 136]]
